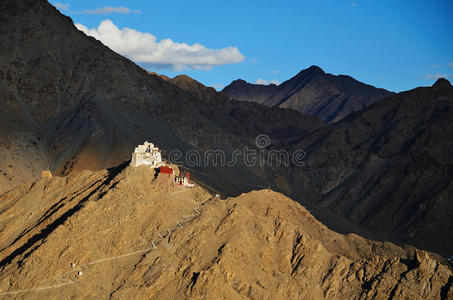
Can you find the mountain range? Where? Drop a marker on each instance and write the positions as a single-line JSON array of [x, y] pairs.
[[376, 163], [388, 167], [311, 92]]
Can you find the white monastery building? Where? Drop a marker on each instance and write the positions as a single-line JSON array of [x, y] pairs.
[[147, 155]]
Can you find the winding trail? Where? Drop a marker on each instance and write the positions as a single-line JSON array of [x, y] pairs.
[[66, 282]]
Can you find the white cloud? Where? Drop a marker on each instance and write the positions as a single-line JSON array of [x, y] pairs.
[[272, 72], [97, 11], [437, 76], [109, 10], [62, 6], [144, 48], [354, 4], [266, 82], [218, 86]]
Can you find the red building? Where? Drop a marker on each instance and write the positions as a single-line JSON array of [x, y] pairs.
[[165, 170]]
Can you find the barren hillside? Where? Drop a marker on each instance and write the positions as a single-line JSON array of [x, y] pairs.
[[123, 234]]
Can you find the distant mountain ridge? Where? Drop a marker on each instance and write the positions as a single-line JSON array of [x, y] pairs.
[[242, 90], [313, 92]]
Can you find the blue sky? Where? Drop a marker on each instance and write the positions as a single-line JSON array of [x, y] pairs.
[[397, 45]]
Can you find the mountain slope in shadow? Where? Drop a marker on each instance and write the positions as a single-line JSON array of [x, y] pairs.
[[389, 167], [71, 104]]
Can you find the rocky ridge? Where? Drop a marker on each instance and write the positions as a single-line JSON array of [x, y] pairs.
[[312, 92], [122, 234]]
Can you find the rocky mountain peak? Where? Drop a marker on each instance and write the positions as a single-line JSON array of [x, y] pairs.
[[312, 70], [442, 83], [183, 77], [239, 82]]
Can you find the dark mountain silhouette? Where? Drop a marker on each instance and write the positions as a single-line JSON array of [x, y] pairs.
[[312, 92]]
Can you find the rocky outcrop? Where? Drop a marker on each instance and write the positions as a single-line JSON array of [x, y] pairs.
[[119, 234], [312, 92]]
